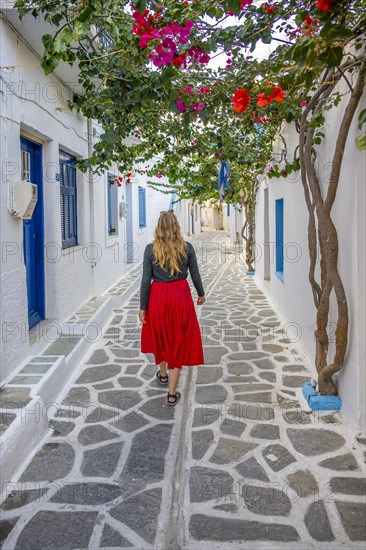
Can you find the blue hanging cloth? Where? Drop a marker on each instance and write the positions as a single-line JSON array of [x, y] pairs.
[[224, 174]]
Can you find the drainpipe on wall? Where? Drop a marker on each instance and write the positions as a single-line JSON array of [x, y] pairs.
[[91, 195]]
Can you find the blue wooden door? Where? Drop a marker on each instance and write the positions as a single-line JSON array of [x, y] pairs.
[[31, 168]]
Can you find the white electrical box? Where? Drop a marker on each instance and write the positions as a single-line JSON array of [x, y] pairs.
[[22, 199], [123, 209]]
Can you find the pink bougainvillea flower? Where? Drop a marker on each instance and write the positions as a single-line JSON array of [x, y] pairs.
[[197, 54], [303, 103], [187, 90], [324, 5], [181, 106], [203, 90], [245, 3], [241, 100]]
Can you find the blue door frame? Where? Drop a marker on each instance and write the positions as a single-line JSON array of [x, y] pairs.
[[33, 238]]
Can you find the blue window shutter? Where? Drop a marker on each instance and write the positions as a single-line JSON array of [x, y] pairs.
[[142, 207], [68, 202], [228, 209], [279, 238]]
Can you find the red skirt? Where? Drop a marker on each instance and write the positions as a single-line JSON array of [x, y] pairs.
[[171, 331]]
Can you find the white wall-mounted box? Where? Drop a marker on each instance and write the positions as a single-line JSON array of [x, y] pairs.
[[23, 197]]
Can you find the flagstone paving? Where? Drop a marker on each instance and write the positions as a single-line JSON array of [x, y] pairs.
[[236, 464]]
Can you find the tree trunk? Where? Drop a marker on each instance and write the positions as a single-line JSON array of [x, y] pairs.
[[322, 231]]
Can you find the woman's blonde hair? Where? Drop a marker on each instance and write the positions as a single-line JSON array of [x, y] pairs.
[[169, 245]]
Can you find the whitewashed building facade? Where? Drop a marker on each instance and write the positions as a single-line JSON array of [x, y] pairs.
[[80, 239], [290, 290]]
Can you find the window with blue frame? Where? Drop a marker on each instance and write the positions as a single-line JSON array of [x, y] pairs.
[[68, 199], [112, 202], [142, 207], [279, 238]]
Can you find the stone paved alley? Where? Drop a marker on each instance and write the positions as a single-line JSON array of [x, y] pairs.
[[235, 465]]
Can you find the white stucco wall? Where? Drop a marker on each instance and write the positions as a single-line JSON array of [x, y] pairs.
[[37, 104], [292, 296], [190, 225]]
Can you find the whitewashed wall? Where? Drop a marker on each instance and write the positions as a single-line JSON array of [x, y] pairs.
[[37, 104], [190, 225], [293, 297], [236, 222]]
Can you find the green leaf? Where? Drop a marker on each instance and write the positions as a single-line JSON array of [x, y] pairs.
[[56, 19], [332, 33], [109, 136], [67, 34], [361, 118], [266, 37], [84, 15], [47, 40], [173, 107], [204, 116], [140, 5], [361, 142], [234, 5], [49, 63], [333, 56], [59, 45], [80, 29]]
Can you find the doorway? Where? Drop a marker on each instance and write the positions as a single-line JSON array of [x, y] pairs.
[[33, 232]]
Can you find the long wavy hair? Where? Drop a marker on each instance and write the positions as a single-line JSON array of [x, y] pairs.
[[169, 245]]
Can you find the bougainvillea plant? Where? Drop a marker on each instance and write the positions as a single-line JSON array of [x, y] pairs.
[[135, 58]]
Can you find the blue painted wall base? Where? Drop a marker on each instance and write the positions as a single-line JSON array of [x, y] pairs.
[[319, 402], [249, 272]]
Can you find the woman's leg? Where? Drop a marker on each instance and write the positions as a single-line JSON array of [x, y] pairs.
[[162, 367], [174, 375]]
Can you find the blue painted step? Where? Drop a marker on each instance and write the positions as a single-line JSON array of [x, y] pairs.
[[319, 402]]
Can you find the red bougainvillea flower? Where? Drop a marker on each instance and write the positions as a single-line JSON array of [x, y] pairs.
[[245, 3], [263, 100], [324, 5], [277, 94], [270, 10], [180, 60], [241, 100]]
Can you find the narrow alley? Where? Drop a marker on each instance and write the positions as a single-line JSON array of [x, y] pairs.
[[236, 464]]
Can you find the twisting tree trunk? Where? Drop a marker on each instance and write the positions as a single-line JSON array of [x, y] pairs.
[[249, 198], [321, 228]]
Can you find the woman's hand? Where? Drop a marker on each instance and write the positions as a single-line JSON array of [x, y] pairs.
[[142, 315], [201, 300]]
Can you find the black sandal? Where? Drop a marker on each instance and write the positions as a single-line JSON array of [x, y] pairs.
[[160, 378], [176, 395]]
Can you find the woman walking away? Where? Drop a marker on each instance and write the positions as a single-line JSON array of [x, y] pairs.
[[170, 327]]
